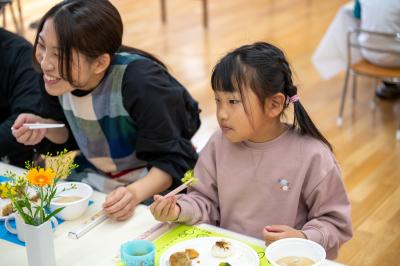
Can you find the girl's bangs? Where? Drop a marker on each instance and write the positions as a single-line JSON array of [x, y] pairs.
[[229, 75]]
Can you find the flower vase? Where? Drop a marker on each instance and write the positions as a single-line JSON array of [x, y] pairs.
[[40, 244]]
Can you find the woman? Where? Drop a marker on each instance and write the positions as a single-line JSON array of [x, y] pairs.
[[127, 113]]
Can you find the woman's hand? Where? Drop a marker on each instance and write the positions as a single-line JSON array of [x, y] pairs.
[[275, 232], [165, 209], [28, 136], [120, 204], [25, 135]]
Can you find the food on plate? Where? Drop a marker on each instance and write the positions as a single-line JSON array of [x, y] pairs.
[[7, 210], [295, 261], [192, 253], [180, 259], [222, 249], [224, 264]]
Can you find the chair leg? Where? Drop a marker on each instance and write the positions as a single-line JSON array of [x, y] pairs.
[[373, 102], [354, 89], [163, 12], [339, 119], [21, 19], [398, 132], [205, 14], [14, 18], [4, 17]]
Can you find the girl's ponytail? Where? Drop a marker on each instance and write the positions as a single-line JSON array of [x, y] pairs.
[[303, 121]]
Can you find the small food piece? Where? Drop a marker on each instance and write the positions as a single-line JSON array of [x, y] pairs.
[[7, 210], [224, 264], [192, 253], [222, 249], [180, 259]]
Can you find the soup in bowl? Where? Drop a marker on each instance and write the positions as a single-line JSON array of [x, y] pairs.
[[74, 197], [295, 252]]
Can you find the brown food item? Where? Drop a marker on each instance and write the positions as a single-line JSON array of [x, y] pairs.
[[180, 259], [192, 253], [222, 244], [7, 210]]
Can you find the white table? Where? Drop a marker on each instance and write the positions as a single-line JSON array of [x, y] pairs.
[[100, 245], [330, 58]]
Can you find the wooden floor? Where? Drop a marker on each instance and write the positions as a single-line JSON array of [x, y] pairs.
[[365, 147]]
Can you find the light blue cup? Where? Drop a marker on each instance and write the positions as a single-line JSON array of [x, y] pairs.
[[138, 253]]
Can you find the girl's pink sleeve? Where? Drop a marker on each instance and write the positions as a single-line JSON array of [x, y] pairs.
[[329, 217], [200, 204]]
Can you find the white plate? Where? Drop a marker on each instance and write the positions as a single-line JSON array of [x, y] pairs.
[[242, 253]]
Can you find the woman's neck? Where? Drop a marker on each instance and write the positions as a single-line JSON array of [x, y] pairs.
[[90, 86], [94, 82]]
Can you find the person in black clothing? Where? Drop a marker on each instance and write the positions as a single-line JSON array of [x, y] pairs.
[[21, 91]]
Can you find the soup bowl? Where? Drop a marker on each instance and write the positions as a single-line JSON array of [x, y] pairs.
[[74, 197], [295, 247]]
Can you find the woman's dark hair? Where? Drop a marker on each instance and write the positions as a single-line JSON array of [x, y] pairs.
[[92, 27], [264, 69]]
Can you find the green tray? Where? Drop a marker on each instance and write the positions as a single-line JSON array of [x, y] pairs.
[[184, 232]]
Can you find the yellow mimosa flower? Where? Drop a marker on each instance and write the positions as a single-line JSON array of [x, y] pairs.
[[3, 191], [41, 177]]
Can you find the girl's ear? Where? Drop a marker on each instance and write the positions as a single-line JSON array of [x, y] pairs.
[[274, 105], [101, 63]]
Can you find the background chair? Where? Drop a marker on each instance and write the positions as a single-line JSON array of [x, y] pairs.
[[205, 12], [365, 68], [18, 22]]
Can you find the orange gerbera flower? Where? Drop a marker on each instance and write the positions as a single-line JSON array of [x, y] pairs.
[[41, 177]]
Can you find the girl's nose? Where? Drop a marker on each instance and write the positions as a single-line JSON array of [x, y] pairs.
[[222, 114]]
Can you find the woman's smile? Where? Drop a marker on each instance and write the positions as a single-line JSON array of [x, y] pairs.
[[50, 80]]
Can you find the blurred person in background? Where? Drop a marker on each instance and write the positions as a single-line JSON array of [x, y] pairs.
[[381, 16]]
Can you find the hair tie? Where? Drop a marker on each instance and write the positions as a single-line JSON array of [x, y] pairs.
[[292, 99]]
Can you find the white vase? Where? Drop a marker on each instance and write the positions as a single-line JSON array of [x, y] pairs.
[[40, 245]]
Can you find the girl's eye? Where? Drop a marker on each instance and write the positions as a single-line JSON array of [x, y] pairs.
[[40, 45], [234, 101], [217, 100]]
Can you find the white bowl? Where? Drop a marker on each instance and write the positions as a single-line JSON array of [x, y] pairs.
[[74, 209], [295, 247]]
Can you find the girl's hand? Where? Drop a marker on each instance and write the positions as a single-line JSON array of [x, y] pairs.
[[275, 232], [165, 209], [25, 135], [120, 204]]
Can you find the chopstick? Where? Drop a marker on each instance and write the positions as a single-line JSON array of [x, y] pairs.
[[187, 180], [100, 216], [39, 125], [88, 225], [178, 189]]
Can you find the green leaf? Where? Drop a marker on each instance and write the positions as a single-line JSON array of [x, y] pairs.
[[27, 219], [48, 217]]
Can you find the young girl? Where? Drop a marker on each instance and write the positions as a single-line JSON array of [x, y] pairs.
[[257, 175], [126, 112]]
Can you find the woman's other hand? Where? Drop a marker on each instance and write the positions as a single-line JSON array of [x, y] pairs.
[[120, 204]]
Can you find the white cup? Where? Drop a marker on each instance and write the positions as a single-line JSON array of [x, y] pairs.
[[20, 225], [75, 209], [296, 247]]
